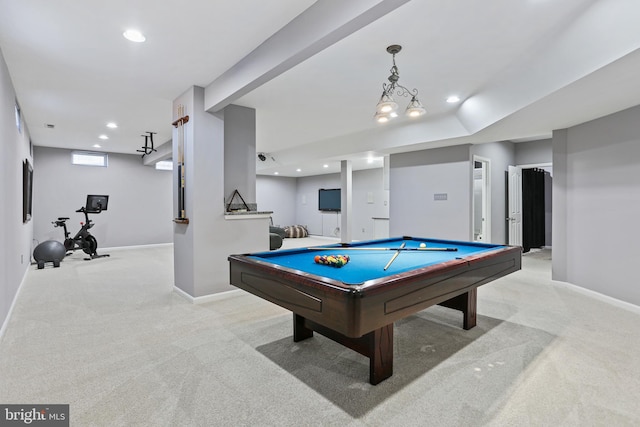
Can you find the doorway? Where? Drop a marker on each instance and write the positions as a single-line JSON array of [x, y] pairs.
[[529, 206], [481, 202], [514, 205]]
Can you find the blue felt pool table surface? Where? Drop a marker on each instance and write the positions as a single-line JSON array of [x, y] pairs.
[[365, 265]]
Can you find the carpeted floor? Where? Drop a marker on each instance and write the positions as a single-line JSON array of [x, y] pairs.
[[111, 338]]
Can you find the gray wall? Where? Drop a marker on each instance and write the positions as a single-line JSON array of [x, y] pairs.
[[294, 201], [501, 154], [140, 198], [202, 246], [414, 179], [307, 213], [240, 153], [596, 201], [534, 152], [278, 195], [15, 236], [369, 200]]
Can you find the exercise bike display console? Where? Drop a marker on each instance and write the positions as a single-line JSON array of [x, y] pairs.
[[83, 239]]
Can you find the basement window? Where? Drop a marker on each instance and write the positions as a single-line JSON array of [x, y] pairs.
[[165, 165], [88, 158]]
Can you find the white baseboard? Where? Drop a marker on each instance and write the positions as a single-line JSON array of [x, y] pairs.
[[152, 245], [206, 298], [13, 303], [318, 236], [600, 297]]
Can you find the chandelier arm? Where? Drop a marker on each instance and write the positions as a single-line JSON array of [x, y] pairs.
[[388, 89], [403, 91]]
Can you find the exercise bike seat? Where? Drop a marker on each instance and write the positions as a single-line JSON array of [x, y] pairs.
[[63, 218]]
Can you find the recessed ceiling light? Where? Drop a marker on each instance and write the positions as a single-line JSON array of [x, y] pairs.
[[298, 170], [325, 166], [276, 173], [134, 36], [97, 146], [453, 99], [103, 137], [112, 125]]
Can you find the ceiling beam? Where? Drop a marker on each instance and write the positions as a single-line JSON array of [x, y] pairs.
[[602, 34], [321, 25]]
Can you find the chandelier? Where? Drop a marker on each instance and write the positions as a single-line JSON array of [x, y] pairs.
[[387, 107]]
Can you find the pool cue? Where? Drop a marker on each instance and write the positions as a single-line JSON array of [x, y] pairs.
[[181, 213], [324, 248], [395, 255], [180, 136]]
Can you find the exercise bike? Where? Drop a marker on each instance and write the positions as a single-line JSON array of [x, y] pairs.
[[83, 239]]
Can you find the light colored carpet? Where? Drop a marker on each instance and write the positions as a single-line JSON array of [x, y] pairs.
[[112, 339]]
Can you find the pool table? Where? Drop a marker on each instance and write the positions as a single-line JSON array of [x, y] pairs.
[[356, 304]]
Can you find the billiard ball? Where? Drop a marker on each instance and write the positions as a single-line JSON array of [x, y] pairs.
[[423, 245], [332, 260]]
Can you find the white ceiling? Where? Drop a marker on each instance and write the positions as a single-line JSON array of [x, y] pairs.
[[522, 68]]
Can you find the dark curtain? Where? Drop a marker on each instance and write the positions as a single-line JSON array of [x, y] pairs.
[[533, 215]]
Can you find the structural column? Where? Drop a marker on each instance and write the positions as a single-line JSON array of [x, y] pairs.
[[346, 178], [559, 202], [201, 245]]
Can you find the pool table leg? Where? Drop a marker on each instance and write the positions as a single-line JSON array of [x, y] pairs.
[[467, 303], [470, 309], [381, 354], [377, 345], [300, 330]]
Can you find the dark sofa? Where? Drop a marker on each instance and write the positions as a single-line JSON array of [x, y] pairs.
[[276, 234]]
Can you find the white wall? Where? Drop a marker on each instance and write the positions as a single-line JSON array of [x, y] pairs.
[[370, 200], [597, 202], [140, 198], [414, 179], [15, 236]]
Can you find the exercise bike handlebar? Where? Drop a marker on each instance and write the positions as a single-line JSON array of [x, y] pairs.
[[85, 211]]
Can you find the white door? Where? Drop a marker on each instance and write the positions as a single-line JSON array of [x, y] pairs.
[[481, 201], [515, 205]]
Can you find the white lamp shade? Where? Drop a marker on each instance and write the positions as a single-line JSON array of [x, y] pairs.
[[415, 108], [386, 104], [382, 117]]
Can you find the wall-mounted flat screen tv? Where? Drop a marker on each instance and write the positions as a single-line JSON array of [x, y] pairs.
[[329, 199]]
